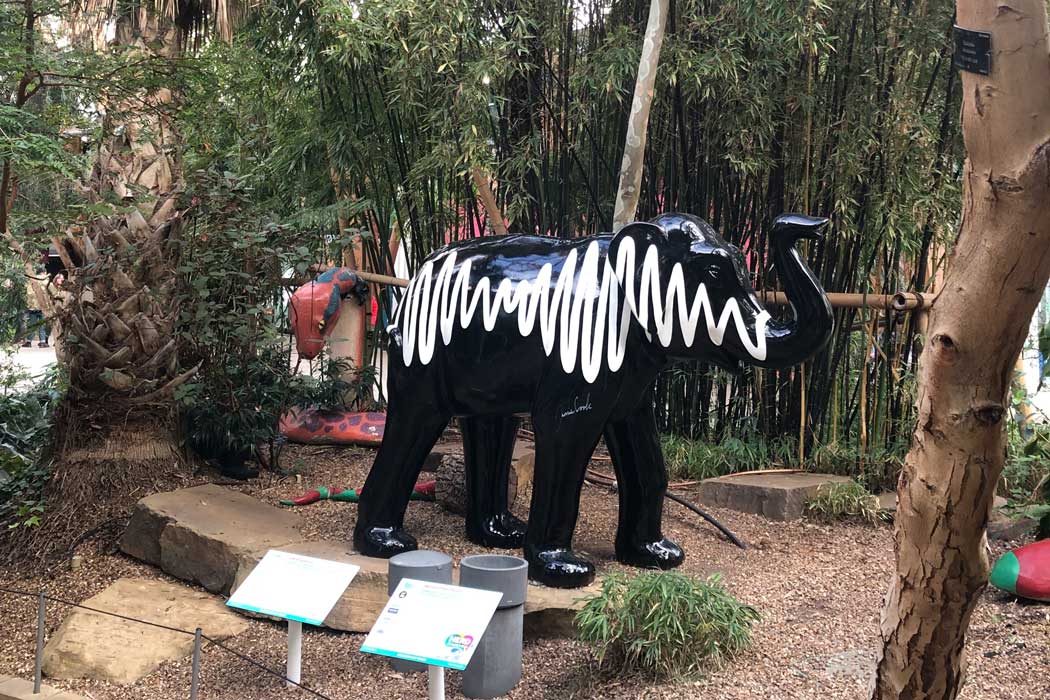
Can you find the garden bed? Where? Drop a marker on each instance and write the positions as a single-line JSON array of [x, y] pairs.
[[818, 587]]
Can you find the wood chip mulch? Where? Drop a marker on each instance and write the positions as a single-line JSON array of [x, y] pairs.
[[818, 587]]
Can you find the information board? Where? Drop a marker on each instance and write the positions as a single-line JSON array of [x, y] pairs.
[[432, 623], [294, 587]]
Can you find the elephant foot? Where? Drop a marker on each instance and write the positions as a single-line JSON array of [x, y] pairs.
[[383, 542], [559, 568], [659, 554], [503, 531]]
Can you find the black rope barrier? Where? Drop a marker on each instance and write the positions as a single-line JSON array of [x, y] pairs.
[[217, 643]]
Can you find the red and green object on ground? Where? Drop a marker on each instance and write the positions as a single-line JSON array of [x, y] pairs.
[[423, 491], [1025, 571]]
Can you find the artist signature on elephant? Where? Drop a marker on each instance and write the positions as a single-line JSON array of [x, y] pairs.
[[578, 407]]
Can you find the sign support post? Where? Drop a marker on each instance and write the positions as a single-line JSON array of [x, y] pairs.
[[294, 668], [435, 624], [435, 683], [296, 588]]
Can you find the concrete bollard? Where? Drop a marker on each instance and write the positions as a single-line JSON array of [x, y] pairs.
[[421, 565], [495, 667]]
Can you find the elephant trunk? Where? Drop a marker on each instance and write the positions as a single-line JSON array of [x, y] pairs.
[[793, 342]]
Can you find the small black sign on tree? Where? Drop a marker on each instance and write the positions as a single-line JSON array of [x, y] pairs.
[[973, 50]]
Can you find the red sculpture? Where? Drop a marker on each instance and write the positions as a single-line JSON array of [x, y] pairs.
[[1025, 571]]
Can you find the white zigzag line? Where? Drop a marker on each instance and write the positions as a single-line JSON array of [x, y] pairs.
[[432, 304]]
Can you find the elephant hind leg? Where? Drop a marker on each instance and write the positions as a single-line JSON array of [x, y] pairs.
[[410, 433], [488, 447]]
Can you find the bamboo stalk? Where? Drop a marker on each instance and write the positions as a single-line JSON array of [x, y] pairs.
[[910, 301], [489, 200]]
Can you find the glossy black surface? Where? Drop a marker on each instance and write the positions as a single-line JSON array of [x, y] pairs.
[[487, 373]]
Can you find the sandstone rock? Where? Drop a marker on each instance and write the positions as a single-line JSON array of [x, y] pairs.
[[206, 533], [363, 599], [1004, 529], [92, 645], [12, 688], [216, 536], [778, 496], [551, 612], [523, 462]]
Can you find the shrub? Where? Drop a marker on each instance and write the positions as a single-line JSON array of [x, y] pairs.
[[664, 624], [697, 459], [26, 409], [233, 325], [843, 501]]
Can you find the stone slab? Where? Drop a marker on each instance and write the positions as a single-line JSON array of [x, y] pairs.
[[92, 645], [523, 461], [215, 536], [12, 688], [778, 496], [205, 534]]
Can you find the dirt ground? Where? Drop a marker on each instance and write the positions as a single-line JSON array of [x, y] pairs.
[[819, 589]]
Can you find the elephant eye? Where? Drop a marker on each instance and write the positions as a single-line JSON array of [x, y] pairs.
[[713, 272]]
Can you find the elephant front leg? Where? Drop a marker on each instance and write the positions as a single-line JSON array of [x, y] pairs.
[[488, 448], [641, 476]]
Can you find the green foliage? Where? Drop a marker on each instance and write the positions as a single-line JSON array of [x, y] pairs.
[[1026, 474], [845, 501], [12, 297], [664, 624], [26, 409], [696, 459], [232, 321], [687, 459], [368, 117]]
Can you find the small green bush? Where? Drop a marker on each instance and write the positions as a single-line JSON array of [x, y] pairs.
[[26, 408], [844, 501], [664, 624]]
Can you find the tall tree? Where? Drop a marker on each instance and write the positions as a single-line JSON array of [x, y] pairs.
[[994, 279], [115, 432]]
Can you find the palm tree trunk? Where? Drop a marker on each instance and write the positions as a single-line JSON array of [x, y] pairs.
[[114, 438]]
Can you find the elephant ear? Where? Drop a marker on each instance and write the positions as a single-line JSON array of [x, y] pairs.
[[642, 257]]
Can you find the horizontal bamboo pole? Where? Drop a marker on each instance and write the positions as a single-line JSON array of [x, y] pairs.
[[901, 301]]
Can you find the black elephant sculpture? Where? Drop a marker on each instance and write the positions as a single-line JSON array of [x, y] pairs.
[[572, 332]]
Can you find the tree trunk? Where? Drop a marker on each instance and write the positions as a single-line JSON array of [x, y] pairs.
[[114, 438], [638, 120], [993, 282]]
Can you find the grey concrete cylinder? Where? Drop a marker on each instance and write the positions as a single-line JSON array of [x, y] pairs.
[[495, 667], [421, 565]]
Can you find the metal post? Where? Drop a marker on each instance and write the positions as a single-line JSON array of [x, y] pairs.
[[435, 683], [294, 667], [195, 667], [38, 672]]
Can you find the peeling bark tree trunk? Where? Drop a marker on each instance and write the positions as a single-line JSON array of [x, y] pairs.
[[994, 279]]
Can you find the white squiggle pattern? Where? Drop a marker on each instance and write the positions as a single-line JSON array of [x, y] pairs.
[[440, 294]]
